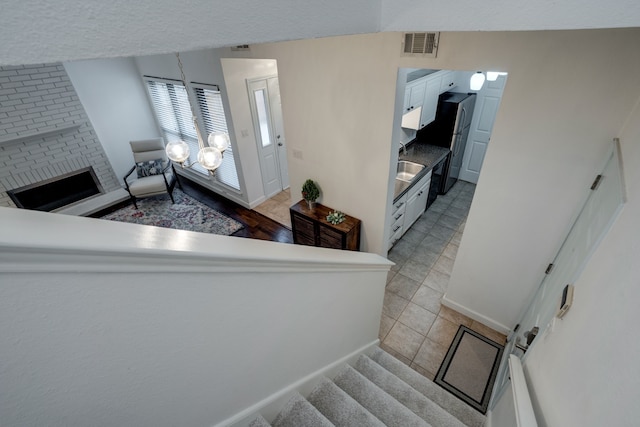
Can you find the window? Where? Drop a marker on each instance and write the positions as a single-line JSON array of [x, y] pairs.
[[214, 120], [173, 112]]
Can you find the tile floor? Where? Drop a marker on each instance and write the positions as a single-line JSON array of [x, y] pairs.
[[277, 208], [414, 326]]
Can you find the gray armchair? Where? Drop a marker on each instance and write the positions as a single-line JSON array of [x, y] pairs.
[[155, 173]]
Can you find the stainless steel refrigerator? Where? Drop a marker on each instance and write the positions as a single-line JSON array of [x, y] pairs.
[[450, 129]]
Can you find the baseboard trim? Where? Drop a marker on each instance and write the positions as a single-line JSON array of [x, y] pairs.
[[271, 405], [475, 316]]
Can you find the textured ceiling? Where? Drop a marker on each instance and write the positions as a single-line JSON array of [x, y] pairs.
[[34, 31]]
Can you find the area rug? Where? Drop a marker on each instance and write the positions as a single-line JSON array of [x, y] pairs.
[[470, 367], [185, 214]]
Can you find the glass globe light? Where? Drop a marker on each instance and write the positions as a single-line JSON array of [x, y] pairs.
[[219, 140], [476, 81], [210, 158], [492, 76], [178, 151]]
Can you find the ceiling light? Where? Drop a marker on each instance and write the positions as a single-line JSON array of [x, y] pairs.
[[209, 157], [476, 81], [492, 76]]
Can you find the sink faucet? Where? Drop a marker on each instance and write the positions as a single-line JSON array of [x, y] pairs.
[[404, 148]]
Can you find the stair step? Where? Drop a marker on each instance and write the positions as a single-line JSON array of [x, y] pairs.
[[340, 408], [259, 422], [299, 412], [375, 400], [456, 407], [405, 394]]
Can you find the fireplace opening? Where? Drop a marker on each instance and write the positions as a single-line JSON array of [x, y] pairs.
[[57, 192]]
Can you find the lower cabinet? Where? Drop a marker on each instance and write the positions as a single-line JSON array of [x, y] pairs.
[[417, 203], [408, 208], [310, 227]]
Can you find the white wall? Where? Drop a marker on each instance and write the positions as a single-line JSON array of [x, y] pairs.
[[145, 326], [560, 110], [115, 100], [589, 362], [338, 106], [562, 106], [236, 73]]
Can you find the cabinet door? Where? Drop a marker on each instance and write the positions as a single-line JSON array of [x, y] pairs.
[[416, 95], [447, 81], [416, 205], [430, 104], [304, 230]]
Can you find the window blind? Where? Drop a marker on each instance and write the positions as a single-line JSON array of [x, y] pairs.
[[173, 112], [214, 120]]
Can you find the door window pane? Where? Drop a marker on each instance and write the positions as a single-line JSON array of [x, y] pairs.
[[263, 117]]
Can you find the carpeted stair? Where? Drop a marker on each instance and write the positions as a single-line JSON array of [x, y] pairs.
[[378, 391]]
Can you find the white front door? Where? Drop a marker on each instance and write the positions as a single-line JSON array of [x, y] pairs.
[[592, 223], [276, 118], [264, 96], [487, 103]]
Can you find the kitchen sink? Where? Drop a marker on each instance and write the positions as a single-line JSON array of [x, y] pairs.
[[408, 170], [400, 186]]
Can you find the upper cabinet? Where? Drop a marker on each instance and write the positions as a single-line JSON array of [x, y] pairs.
[[414, 95], [423, 91], [448, 80], [430, 104]]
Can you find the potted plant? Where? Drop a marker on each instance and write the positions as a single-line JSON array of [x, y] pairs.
[[310, 192]]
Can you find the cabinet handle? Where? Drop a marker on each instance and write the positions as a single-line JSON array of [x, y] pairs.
[[420, 193], [396, 229], [399, 205], [398, 217]]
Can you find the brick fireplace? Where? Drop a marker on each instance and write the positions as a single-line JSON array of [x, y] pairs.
[[45, 132]]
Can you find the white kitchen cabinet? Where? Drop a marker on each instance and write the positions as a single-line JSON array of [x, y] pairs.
[[430, 102], [414, 94], [408, 208], [448, 81], [417, 201], [396, 229]]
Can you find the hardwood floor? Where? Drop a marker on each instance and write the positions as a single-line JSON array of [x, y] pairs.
[[256, 226]]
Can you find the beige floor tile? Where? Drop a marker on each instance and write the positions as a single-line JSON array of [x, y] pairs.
[[437, 280], [283, 197], [457, 237], [390, 275], [393, 305], [455, 317], [417, 318], [404, 340], [386, 323], [488, 332], [403, 286], [395, 354], [444, 265], [428, 299], [451, 251], [430, 355], [443, 331]]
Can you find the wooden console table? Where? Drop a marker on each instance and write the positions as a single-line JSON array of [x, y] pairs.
[[310, 227]]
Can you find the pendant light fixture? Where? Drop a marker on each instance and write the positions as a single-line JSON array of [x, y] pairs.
[[210, 155], [492, 76], [476, 81]]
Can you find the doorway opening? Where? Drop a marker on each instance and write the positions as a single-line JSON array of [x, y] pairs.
[[266, 112]]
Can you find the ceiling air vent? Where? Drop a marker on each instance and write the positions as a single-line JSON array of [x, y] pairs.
[[421, 44], [240, 47]]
